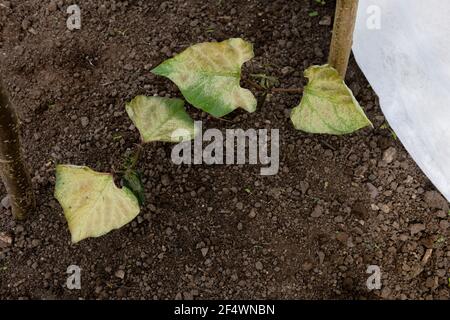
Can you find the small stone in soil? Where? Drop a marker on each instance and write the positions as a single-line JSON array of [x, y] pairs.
[[436, 201], [307, 266], [84, 121], [321, 256], [287, 70], [416, 228], [373, 191], [304, 186], [120, 274], [5, 202], [342, 237], [5, 240], [325, 21], [165, 180], [389, 155], [317, 212], [259, 265], [35, 243], [384, 207]]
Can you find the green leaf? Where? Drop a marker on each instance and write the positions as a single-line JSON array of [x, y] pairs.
[[328, 105], [132, 180], [208, 75], [160, 119], [92, 203]]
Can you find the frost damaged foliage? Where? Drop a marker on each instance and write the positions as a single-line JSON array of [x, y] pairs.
[[208, 75], [92, 203], [328, 105], [160, 119]]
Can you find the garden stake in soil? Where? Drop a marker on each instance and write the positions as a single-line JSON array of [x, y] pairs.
[[341, 42], [12, 167]]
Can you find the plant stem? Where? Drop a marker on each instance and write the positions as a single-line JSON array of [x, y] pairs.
[[136, 156], [254, 85], [286, 90], [341, 42], [273, 90], [12, 167]]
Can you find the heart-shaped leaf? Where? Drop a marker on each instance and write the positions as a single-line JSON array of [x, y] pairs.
[[208, 75], [328, 105], [160, 119], [92, 203]]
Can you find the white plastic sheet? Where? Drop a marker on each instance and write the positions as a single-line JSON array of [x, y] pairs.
[[403, 48]]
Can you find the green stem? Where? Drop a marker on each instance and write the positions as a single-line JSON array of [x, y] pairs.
[[136, 156]]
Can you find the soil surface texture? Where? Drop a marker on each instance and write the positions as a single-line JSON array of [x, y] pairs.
[[336, 206]]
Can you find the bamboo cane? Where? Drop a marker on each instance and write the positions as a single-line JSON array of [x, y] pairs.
[[341, 42], [12, 167]]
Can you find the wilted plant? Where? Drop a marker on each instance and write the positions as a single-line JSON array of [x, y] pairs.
[[208, 75]]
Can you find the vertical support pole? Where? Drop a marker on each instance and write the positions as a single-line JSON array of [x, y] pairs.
[[341, 42], [12, 167]]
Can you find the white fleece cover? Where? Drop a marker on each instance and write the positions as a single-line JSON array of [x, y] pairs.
[[407, 63]]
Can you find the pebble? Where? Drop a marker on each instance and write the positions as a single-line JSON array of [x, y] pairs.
[[385, 293], [128, 67], [5, 240], [6, 203], [287, 70], [373, 191], [342, 237], [384, 207], [304, 186], [120, 274], [436, 201], [325, 21], [35, 243], [318, 52], [52, 6], [444, 224], [416, 228], [252, 213], [84, 121], [389, 154], [25, 24], [165, 180], [317, 212], [307, 266], [432, 282], [321, 256], [441, 214], [259, 266]]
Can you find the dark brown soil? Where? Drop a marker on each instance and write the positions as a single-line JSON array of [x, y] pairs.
[[367, 211]]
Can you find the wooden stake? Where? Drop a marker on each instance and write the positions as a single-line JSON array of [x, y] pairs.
[[341, 42], [12, 167]]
